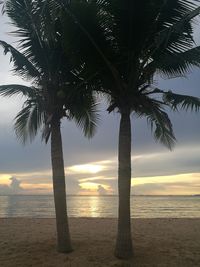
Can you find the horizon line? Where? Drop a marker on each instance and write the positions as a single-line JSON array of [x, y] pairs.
[[106, 195]]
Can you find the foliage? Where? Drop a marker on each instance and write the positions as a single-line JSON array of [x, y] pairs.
[[57, 88], [124, 46]]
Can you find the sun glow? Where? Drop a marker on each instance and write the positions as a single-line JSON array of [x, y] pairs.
[[86, 168], [90, 179], [37, 186], [5, 179], [90, 188]]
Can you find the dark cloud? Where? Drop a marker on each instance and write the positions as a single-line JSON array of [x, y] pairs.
[[181, 160]]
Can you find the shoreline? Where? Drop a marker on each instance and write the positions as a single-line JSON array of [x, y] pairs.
[[157, 242]]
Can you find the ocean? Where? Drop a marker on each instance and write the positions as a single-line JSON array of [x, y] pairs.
[[101, 206]]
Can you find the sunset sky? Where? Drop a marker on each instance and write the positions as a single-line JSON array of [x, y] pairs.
[[91, 165]]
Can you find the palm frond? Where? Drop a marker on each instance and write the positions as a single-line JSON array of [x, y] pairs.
[[85, 114], [10, 90], [31, 116], [81, 22], [185, 102], [179, 25], [28, 121], [174, 64], [159, 122], [21, 65], [26, 17]]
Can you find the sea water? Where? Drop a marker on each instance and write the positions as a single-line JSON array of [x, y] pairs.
[[101, 206]]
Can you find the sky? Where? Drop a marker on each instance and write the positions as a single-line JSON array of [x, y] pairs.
[[91, 165]]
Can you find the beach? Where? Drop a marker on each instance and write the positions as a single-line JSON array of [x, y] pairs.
[[157, 242]]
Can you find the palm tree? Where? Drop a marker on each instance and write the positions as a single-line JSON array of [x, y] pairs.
[[125, 45], [52, 95]]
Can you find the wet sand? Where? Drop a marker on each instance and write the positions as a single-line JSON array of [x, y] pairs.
[[157, 242]]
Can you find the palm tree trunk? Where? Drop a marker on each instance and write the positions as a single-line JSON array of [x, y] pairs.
[[123, 247], [63, 235]]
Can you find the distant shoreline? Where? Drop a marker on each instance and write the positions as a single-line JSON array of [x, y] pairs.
[[51, 195]]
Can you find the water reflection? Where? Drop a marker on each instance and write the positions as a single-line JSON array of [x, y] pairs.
[[84, 206], [101, 206], [26, 206], [12, 206], [92, 206], [3, 205]]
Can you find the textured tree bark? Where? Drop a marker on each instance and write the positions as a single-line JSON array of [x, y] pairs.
[[63, 235], [123, 247]]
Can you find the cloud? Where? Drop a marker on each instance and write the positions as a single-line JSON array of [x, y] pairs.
[[101, 190], [166, 189], [86, 178], [13, 188], [184, 159], [15, 185], [182, 184]]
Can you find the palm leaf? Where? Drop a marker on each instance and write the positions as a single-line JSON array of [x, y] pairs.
[[16, 89], [28, 121], [174, 64], [85, 114], [21, 65], [181, 101], [31, 117], [179, 25], [158, 120], [81, 21], [26, 17]]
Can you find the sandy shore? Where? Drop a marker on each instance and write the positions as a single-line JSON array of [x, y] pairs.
[[157, 242]]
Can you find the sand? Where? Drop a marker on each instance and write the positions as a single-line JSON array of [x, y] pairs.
[[157, 242]]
